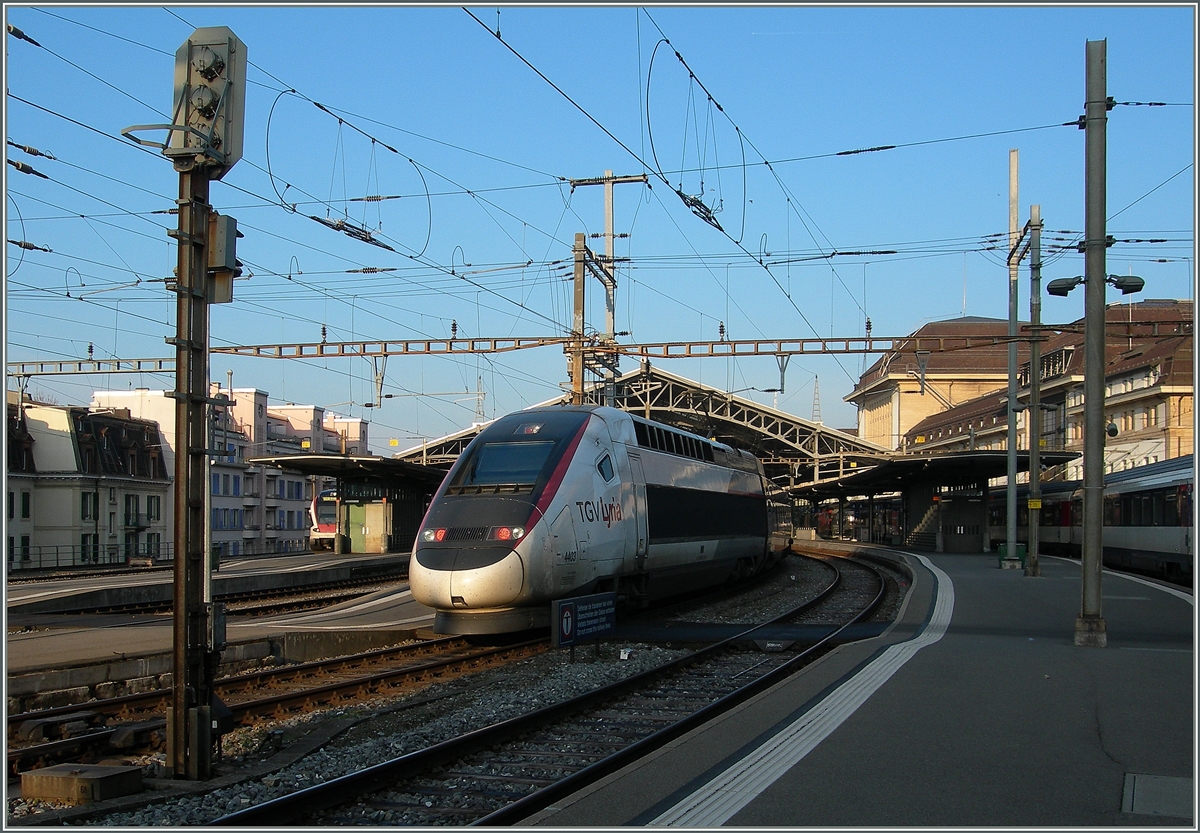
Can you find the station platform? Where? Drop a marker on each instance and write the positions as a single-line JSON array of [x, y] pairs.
[[52, 654], [974, 709]]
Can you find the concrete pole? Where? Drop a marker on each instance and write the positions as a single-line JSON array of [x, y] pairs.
[[1032, 568], [1010, 552], [1090, 630]]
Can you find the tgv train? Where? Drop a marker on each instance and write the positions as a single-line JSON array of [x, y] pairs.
[[562, 501]]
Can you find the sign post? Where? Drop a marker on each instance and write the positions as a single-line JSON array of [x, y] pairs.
[[582, 617]]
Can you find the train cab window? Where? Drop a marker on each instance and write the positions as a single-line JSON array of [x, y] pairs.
[[605, 467], [1170, 509], [495, 464]]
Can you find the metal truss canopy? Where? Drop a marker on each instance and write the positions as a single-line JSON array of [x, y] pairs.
[[794, 451]]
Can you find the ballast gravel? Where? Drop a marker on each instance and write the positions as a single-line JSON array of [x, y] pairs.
[[348, 739]]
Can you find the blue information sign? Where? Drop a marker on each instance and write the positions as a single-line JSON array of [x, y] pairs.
[[582, 617]]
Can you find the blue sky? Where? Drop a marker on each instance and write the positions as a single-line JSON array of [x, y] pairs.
[[428, 105]]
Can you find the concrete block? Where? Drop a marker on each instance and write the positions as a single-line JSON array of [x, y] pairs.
[[308, 646], [54, 699], [81, 783], [140, 685]]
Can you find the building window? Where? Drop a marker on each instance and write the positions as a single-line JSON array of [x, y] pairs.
[[12, 505], [112, 494], [89, 548], [216, 483], [237, 485], [133, 507], [153, 544], [112, 523], [153, 508], [24, 547], [90, 506], [26, 505], [224, 484]]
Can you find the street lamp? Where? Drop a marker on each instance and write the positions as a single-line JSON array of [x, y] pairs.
[[1128, 284], [1090, 629]]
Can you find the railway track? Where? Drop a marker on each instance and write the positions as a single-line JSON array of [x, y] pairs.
[[268, 602], [83, 731], [503, 772]]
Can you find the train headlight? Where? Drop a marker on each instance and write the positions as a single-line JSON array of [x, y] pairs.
[[506, 533], [431, 535]]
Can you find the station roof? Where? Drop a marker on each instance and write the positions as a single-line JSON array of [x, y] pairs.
[[787, 445], [963, 468], [346, 467]]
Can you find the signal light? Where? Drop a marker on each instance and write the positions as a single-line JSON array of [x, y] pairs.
[[431, 535], [210, 101]]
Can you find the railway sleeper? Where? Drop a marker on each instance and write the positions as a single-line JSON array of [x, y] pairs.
[[421, 793], [573, 745], [425, 810], [59, 726], [517, 752], [499, 778], [143, 733]]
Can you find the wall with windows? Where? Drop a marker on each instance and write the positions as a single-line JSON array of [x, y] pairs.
[[97, 490]]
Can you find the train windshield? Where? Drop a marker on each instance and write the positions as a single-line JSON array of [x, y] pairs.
[[326, 511], [503, 463]]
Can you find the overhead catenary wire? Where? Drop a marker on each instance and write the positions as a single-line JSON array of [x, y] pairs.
[[324, 286]]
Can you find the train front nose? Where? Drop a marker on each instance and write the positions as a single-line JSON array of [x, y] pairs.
[[466, 577]]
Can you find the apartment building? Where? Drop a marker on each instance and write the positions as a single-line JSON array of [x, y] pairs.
[[85, 485], [253, 508]]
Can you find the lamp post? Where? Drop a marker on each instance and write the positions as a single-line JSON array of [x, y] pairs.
[[1034, 419], [1089, 627]]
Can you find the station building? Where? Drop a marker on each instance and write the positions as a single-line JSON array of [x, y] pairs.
[[1149, 394]]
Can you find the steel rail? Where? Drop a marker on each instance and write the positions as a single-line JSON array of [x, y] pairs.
[[381, 776]]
